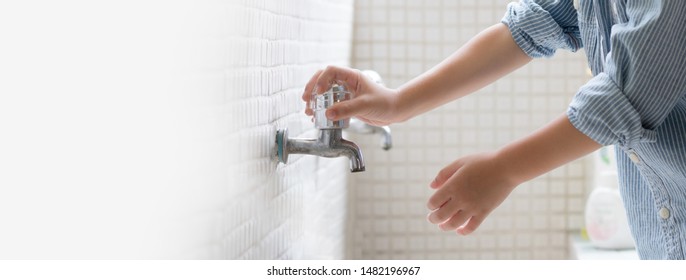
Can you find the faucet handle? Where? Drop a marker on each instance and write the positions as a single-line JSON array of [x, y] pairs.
[[320, 102]]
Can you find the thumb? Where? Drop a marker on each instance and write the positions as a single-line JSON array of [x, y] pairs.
[[346, 109], [446, 173]]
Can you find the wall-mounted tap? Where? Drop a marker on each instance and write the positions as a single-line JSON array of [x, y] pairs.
[[330, 142], [358, 126]]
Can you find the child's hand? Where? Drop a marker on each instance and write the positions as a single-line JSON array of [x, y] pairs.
[[371, 103], [468, 190]]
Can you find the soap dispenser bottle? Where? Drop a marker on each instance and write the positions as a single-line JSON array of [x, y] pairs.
[[606, 221]]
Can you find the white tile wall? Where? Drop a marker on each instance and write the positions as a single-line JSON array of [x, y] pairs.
[[281, 211], [401, 39]]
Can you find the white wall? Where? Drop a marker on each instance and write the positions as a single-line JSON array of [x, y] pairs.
[[401, 39], [296, 210], [144, 129]]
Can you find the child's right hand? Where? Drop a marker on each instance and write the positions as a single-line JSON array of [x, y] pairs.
[[468, 190], [371, 102]]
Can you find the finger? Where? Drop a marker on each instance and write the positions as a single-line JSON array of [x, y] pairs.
[[307, 93], [347, 109], [438, 200], [473, 223], [455, 221], [446, 173], [444, 213], [335, 74]]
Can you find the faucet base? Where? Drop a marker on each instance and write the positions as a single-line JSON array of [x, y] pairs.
[[281, 145]]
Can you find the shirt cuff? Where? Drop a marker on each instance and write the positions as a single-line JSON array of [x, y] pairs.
[[535, 30], [601, 111]]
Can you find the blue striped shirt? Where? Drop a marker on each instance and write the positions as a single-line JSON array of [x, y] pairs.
[[637, 53]]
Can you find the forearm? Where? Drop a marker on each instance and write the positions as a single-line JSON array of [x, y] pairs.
[[553, 145], [487, 57]]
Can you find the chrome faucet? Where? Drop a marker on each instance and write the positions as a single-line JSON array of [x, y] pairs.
[[330, 142], [360, 127]]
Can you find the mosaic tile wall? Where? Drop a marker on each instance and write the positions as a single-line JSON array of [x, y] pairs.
[[401, 39]]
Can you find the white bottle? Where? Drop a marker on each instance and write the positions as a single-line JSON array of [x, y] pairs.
[[606, 222]]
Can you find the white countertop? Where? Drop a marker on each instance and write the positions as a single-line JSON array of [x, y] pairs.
[[582, 249]]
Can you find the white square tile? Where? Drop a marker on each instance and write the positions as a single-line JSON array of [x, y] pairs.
[[399, 243], [380, 51], [414, 17], [417, 243], [398, 51], [432, 35], [399, 172], [397, 16], [415, 51], [398, 35]]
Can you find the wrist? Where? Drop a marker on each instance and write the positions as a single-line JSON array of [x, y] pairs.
[[509, 167], [402, 105], [544, 150]]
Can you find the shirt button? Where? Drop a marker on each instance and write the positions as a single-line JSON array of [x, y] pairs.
[[664, 213], [634, 157]]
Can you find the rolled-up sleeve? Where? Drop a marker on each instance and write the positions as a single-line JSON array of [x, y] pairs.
[[540, 27], [644, 76]]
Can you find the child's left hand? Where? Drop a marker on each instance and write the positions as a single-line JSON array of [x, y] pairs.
[[468, 190]]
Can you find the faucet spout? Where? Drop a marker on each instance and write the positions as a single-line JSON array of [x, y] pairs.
[[329, 143], [387, 139], [352, 151]]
